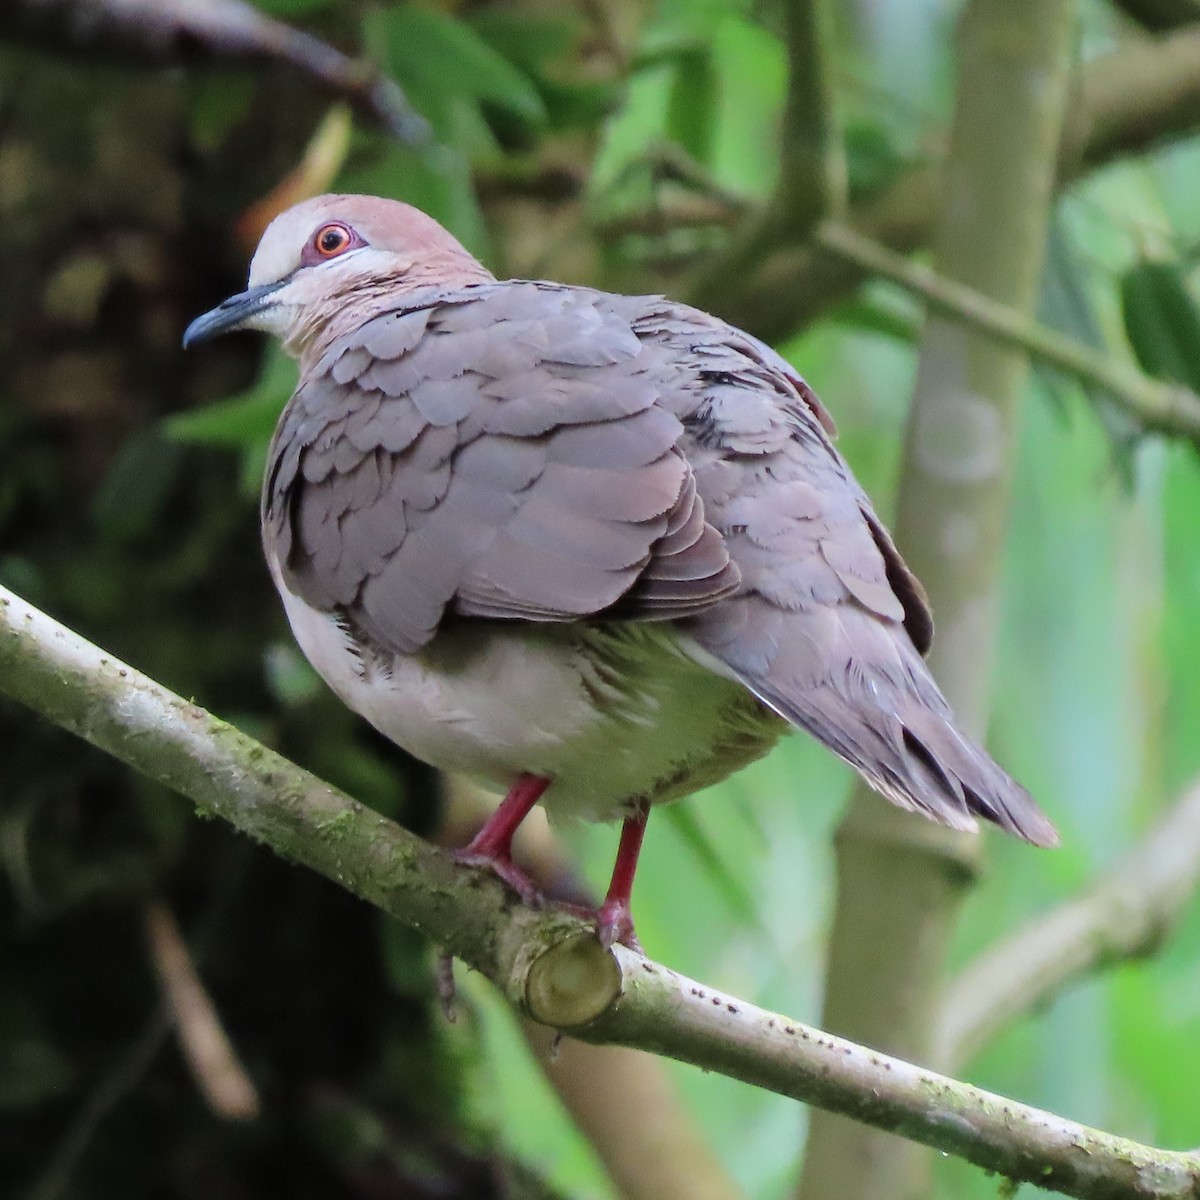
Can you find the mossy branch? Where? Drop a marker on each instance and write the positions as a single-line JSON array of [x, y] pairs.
[[813, 173], [1162, 407], [549, 963]]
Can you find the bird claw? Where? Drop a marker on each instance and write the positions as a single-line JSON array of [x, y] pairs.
[[614, 923], [505, 869], [446, 990]]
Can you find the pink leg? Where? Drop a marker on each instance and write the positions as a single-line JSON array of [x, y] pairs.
[[614, 920], [492, 845]]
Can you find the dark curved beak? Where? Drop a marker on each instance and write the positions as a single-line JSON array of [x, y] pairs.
[[230, 314]]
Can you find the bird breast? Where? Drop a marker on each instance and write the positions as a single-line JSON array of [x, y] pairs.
[[612, 712]]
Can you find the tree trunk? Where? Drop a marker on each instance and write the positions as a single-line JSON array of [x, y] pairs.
[[901, 881]]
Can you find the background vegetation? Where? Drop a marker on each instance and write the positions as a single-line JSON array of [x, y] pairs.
[[615, 145]]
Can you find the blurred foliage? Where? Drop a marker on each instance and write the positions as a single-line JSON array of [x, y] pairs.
[[566, 135]]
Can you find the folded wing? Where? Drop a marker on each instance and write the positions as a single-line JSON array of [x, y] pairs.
[[500, 454]]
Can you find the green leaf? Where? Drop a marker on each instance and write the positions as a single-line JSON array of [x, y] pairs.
[[581, 105], [726, 881], [692, 110], [872, 160], [235, 422], [291, 10], [752, 64], [548, 49], [681, 28], [136, 487], [217, 104], [1066, 304], [405, 958], [430, 46], [534, 42], [877, 314], [243, 421], [33, 1069], [1161, 322]]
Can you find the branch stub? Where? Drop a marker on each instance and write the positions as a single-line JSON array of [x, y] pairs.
[[573, 982]]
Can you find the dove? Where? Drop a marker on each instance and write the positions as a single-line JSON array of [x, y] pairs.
[[595, 551]]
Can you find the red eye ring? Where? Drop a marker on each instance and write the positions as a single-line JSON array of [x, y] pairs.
[[332, 239]]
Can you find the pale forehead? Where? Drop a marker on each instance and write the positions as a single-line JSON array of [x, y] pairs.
[[388, 224]]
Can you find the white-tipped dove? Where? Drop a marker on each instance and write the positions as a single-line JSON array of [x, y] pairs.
[[596, 550]]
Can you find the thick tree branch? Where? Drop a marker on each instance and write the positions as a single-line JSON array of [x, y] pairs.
[[1123, 103], [1125, 914], [549, 963], [149, 30], [812, 155], [1133, 100], [1164, 407], [812, 182]]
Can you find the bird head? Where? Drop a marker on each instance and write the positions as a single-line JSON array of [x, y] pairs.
[[336, 260]]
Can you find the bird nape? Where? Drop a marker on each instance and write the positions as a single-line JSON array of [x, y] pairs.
[[597, 551]]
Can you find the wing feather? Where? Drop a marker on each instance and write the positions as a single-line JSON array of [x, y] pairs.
[[499, 455]]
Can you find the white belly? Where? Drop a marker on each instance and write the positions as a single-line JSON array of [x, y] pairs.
[[612, 714]]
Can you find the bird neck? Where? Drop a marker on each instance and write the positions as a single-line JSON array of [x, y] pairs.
[[346, 309]]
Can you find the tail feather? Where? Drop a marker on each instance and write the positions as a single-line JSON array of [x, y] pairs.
[[859, 686]]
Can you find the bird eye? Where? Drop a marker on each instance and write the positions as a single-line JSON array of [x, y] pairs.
[[332, 240]]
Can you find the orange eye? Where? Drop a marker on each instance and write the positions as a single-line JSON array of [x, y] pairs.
[[332, 240]]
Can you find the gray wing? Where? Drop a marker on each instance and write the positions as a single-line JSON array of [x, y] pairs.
[[498, 453], [829, 625]]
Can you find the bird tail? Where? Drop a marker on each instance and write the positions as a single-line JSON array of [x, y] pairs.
[[859, 686]]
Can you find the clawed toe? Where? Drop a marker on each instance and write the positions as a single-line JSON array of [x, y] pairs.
[[614, 923], [506, 870], [491, 847]]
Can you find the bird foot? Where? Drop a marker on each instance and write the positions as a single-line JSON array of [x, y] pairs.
[[614, 923], [506, 869], [491, 847], [614, 920], [446, 990]]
